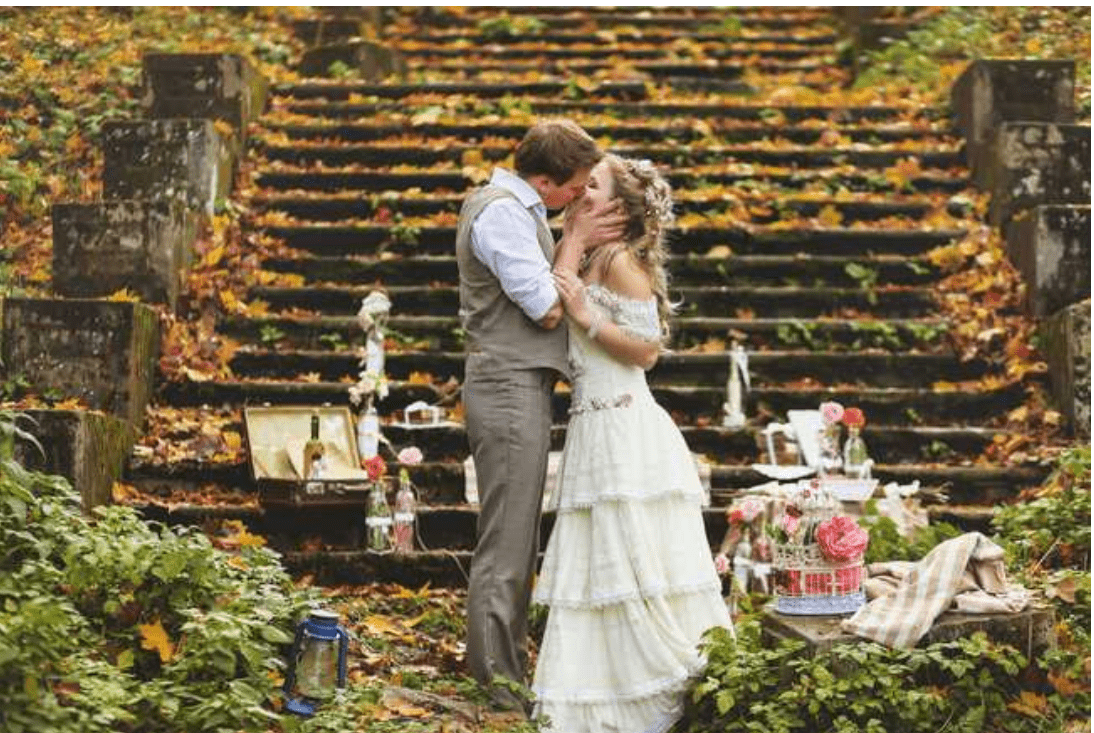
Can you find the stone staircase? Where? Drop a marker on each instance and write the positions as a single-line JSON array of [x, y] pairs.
[[804, 229]]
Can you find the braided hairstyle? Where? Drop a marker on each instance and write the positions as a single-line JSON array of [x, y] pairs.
[[647, 202]]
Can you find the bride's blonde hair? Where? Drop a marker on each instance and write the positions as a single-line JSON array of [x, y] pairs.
[[647, 202]]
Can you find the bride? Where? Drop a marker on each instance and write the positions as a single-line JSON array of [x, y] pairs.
[[628, 573]]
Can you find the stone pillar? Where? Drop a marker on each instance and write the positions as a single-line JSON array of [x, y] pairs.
[[145, 246], [216, 86], [1034, 163], [1050, 246], [89, 449], [990, 92], [1065, 338], [152, 159], [103, 352], [372, 60]]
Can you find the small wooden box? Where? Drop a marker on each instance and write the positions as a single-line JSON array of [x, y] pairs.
[[275, 441]]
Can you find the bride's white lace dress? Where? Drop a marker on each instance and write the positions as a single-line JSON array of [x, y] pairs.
[[628, 573]]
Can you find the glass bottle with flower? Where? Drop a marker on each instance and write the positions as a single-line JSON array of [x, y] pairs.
[[856, 460], [405, 502], [830, 459]]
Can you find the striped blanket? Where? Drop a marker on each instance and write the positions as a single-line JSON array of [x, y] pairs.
[[965, 572]]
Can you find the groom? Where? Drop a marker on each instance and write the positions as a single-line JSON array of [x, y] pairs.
[[516, 352]]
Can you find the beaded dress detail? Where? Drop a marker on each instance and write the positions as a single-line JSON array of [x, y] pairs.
[[628, 573]]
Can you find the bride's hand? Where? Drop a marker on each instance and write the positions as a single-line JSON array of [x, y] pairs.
[[572, 293]]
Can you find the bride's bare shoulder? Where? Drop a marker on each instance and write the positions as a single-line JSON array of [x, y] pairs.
[[625, 276]]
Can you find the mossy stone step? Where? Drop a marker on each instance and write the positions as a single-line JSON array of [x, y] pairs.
[[443, 332], [698, 19], [443, 483], [623, 110], [694, 270], [891, 405], [356, 132], [623, 34], [335, 90], [393, 182], [770, 60], [320, 207], [370, 239], [776, 367], [378, 154], [773, 302]]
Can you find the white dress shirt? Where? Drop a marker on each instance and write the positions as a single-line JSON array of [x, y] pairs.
[[503, 238]]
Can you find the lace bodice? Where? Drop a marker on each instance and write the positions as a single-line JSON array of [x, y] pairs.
[[601, 380]]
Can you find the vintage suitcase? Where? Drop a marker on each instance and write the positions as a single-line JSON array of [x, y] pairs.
[[275, 439]]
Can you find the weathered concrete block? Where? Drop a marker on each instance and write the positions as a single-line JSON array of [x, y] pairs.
[[993, 91], [216, 86], [175, 158], [1050, 246], [89, 449], [1030, 631], [103, 352], [373, 61], [143, 245], [1065, 339], [319, 31], [1034, 163]]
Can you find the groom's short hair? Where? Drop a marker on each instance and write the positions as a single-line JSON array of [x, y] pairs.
[[557, 149]]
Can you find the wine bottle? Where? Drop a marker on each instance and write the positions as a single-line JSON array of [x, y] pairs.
[[314, 452]]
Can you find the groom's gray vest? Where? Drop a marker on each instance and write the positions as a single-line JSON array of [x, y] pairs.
[[494, 325]]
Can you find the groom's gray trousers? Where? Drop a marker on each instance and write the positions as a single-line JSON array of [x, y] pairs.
[[508, 416]]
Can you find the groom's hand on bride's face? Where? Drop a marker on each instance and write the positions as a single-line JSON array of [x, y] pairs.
[[595, 224]]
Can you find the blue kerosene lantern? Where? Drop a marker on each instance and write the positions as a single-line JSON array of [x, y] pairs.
[[317, 666]]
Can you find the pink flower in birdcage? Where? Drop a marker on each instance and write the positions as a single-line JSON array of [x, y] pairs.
[[721, 563], [411, 456], [790, 524], [745, 512], [831, 412], [841, 539]]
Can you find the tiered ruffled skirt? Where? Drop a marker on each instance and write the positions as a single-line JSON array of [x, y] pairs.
[[628, 575]]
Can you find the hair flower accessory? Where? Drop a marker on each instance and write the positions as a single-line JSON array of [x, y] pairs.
[[841, 539], [831, 412], [853, 417]]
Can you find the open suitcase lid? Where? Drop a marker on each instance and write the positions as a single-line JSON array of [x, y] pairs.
[[276, 437]]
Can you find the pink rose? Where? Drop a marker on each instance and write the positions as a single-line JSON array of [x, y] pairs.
[[841, 539], [375, 467], [736, 516], [411, 456], [721, 563], [831, 412]]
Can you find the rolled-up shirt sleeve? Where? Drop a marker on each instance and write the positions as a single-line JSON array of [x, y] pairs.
[[503, 238]]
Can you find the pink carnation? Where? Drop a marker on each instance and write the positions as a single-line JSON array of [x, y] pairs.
[[411, 456], [790, 524], [831, 412], [841, 539]]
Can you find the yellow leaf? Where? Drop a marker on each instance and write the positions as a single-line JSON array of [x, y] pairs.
[[471, 157], [381, 625], [1033, 45], [123, 493], [72, 403], [1029, 703], [944, 387], [830, 216], [233, 440], [154, 639], [123, 295], [420, 378], [721, 251], [213, 256], [229, 301]]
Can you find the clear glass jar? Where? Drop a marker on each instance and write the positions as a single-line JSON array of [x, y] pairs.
[[855, 456]]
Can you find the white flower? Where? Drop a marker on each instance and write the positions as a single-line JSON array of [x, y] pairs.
[[373, 308]]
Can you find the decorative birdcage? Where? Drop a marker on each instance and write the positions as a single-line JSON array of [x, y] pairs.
[[817, 566]]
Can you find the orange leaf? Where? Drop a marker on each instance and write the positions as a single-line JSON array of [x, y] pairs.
[[154, 639]]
